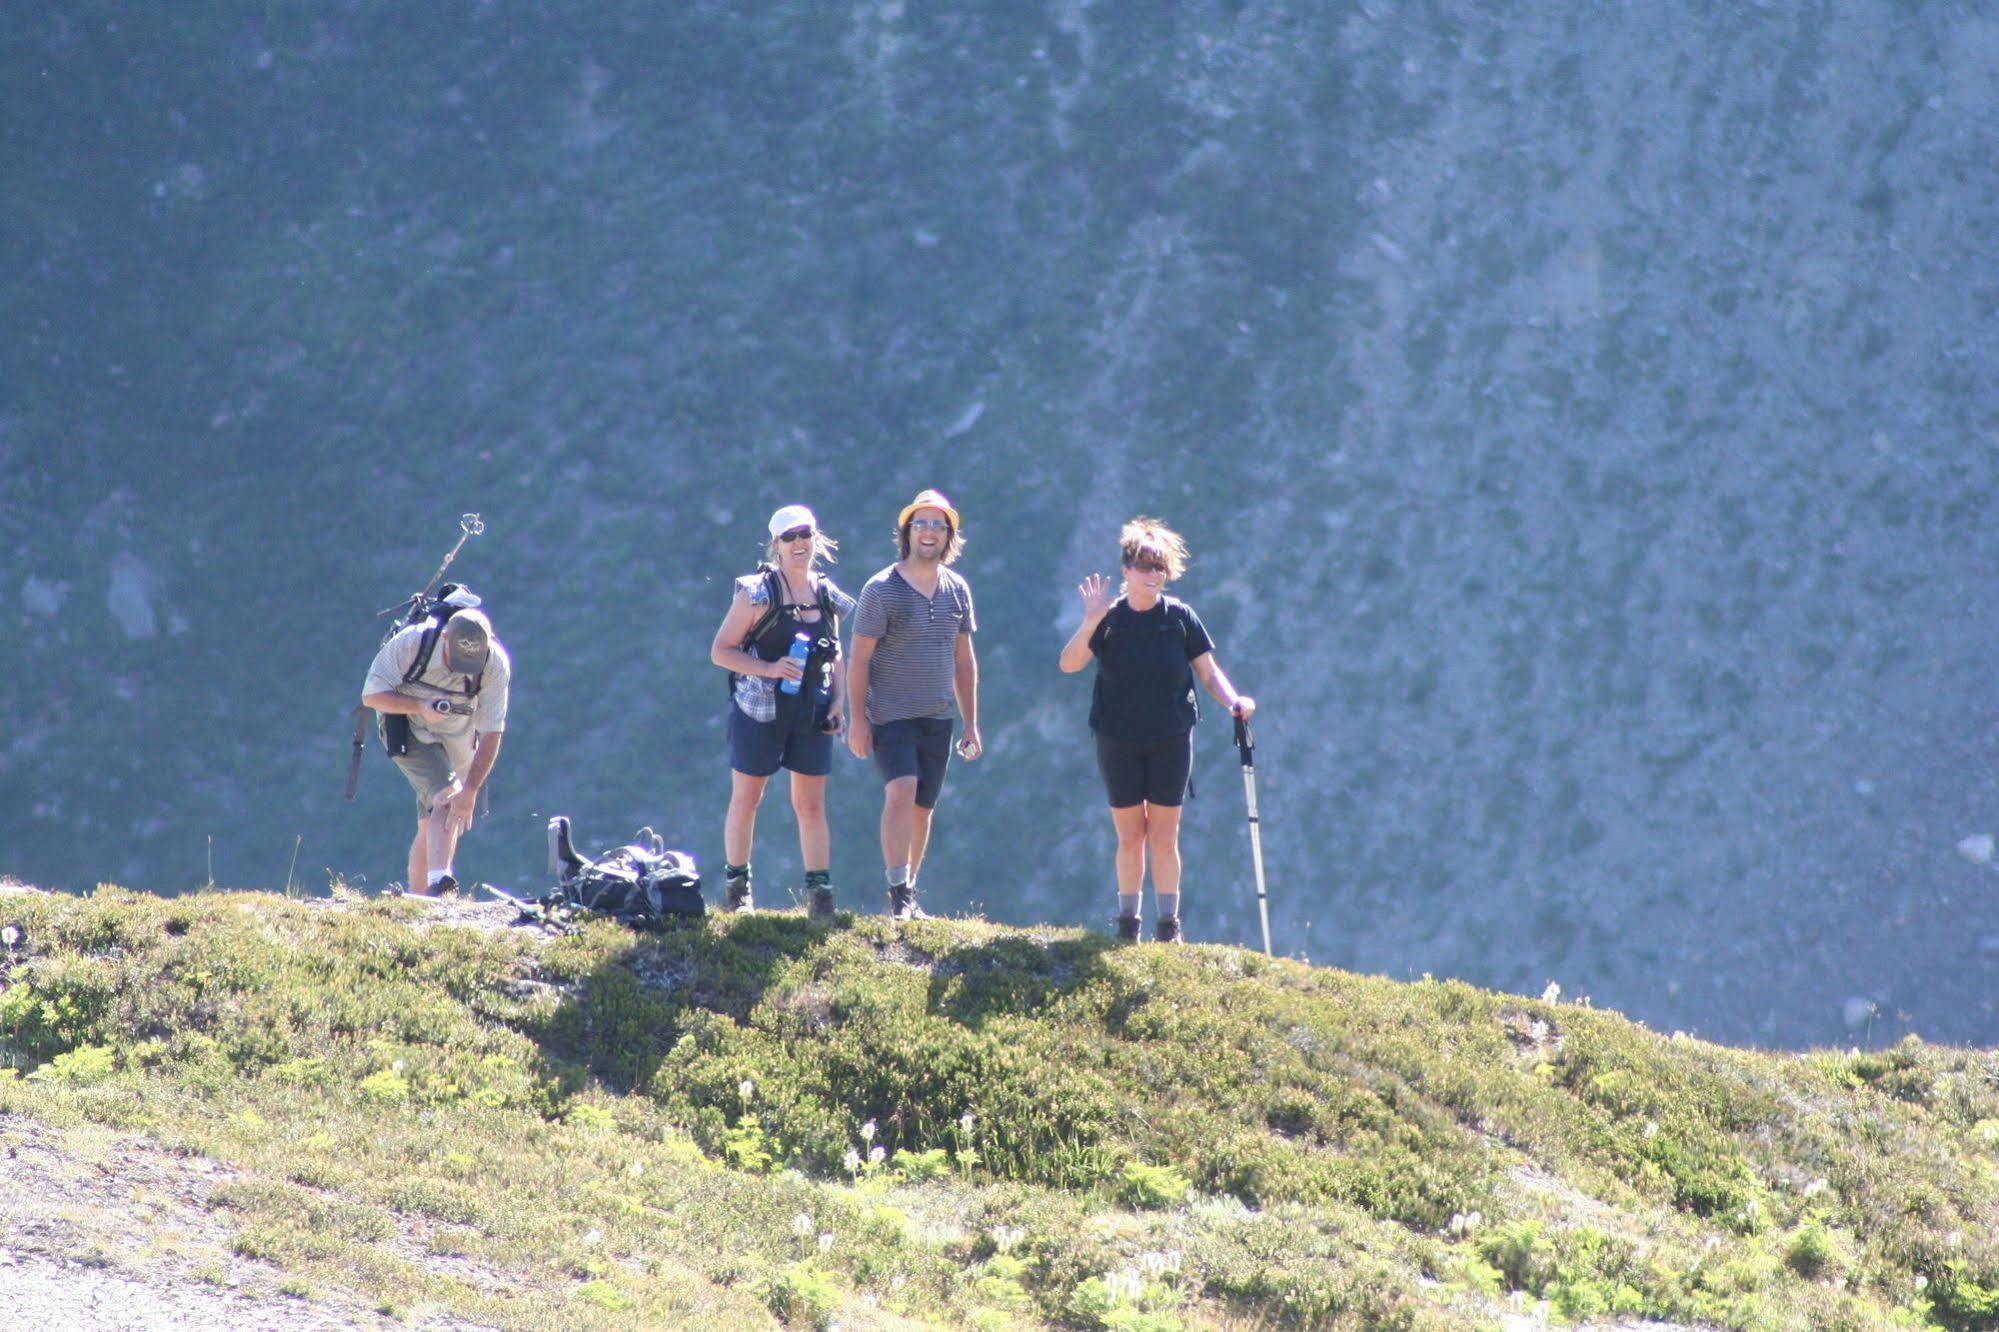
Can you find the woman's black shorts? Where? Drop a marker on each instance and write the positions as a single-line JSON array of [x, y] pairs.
[[1150, 774]]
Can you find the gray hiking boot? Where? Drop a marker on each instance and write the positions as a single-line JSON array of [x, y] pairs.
[[902, 903], [819, 901], [1166, 929], [736, 895]]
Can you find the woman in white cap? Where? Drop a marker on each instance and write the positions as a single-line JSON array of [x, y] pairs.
[[1150, 649], [780, 643]]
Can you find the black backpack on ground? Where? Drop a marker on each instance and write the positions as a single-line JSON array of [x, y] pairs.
[[640, 884]]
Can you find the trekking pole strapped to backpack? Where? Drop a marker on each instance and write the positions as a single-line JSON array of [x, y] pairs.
[[420, 607]]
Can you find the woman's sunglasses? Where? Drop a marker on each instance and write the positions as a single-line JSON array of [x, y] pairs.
[[796, 534]]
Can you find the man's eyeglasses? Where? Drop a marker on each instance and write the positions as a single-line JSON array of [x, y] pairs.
[[796, 534], [929, 525]]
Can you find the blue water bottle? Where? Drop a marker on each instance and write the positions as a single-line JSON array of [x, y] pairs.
[[801, 649]]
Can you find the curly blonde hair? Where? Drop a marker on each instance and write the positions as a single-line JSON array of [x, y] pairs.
[[1142, 537]]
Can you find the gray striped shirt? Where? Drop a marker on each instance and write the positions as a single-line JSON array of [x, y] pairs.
[[915, 658]]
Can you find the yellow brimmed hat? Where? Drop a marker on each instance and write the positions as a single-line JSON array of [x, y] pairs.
[[928, 499]]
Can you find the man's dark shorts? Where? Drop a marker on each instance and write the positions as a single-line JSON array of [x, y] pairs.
[[918, 747], [1154, 774], [758, 749]]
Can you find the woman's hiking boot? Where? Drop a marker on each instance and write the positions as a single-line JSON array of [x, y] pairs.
[[818, 895], [1128, 928], [1166, 929], [902, 903], [736, 894]]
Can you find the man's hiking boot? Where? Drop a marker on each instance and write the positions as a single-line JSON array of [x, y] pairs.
[[736, 895], [1128, 928], [1166, 929], [902, 903], [819, 901], [444, 887]]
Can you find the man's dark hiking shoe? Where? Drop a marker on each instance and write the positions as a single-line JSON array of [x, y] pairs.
[[1127, 928], [902, 903], [736, 895], [1166, 929], [444, 887], [819, 901]]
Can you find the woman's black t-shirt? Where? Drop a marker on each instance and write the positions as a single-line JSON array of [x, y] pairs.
[[1145, 677]]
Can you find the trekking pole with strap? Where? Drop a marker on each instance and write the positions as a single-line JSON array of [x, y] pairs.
[[469, 526], [1245, 744]]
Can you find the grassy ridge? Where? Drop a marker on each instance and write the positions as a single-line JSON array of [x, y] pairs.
[[958, 1124]]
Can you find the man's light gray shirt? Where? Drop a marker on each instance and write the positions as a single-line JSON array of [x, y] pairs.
[[916, 658]]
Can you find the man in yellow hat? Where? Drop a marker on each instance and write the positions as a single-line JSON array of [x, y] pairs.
[[912, 662]]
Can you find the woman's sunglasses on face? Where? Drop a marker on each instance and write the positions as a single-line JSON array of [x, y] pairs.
[[1146, 565], [796, 534]]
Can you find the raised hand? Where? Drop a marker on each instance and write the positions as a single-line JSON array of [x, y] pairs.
[[1096, 593]]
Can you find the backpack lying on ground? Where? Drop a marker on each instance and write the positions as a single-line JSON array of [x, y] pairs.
[[640, 884]]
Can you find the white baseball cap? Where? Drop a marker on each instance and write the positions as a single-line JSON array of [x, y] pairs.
[[790, 516]]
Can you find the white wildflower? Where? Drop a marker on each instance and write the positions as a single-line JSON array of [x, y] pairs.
[[868, 1131], [801, 1225]]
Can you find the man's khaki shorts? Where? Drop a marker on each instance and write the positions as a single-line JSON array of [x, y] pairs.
[[430, 769]]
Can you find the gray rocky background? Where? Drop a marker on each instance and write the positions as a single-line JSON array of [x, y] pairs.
[[1582, 415]]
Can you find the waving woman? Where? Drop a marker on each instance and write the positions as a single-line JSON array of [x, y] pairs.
[[1150, 649]]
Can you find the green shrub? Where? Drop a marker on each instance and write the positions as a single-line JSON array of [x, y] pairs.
[[1812, 1252], [80, 1067], [1149, 1186], [917, 1167], [604, 1295], [800, 1294]]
